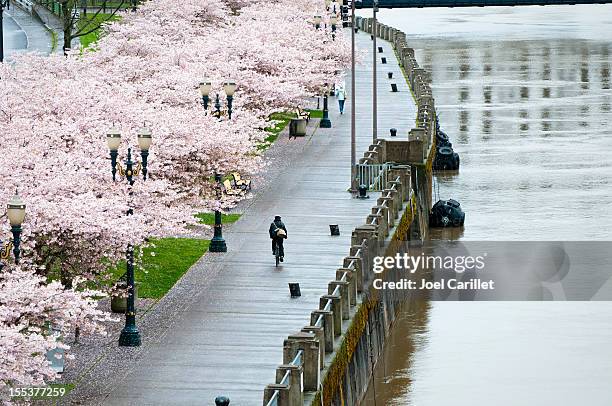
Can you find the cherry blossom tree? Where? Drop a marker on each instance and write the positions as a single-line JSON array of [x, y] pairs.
[[55, 112], [28, 308]]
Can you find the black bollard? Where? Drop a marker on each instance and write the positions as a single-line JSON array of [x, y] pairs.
[[222, 401], [363, 192], [393, 87], [393, 131], [383, 60], [390, 75], [380, 50]]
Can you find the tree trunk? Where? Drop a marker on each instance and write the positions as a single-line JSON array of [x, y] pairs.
[[67, 19]]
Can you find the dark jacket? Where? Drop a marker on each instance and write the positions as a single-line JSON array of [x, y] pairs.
[[275, 226]]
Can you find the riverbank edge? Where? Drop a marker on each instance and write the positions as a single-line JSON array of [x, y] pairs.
[[339, 377]]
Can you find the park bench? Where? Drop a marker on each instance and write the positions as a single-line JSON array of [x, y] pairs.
[[302, 114], [229, 190], [244, 184]]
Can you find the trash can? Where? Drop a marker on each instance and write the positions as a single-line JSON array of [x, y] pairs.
[[297, 127], [393, 131]]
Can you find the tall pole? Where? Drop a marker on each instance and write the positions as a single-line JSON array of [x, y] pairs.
[[353, 131], [130, 336], [3, 3], [217, 244], [374, 87]]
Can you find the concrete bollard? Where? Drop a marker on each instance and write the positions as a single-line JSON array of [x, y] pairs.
[[388, 201], [416, 140], [399, 187], [336, 311], [366, 231], [404, 172], [384, 213], [296, 394], [308, 343], [283, 394], [352, 280], [328, 327], [345, 298], [358, 273], [395, 200], [376, 220], [319, 333]]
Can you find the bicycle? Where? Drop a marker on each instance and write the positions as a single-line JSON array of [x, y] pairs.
[[277, 255]]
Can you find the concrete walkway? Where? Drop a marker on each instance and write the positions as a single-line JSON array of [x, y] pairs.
[[32, 34], [226, 335]]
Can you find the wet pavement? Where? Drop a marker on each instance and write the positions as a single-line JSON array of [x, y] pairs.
[[15, 39], [23, 32], [224, 333]]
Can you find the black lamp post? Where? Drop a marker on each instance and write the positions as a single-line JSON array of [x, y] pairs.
[[229, 88], [333, 20], [15, 211], [3, 4], [217, 112], [205, 87], [217, 244], [325, 121], [130, 336]]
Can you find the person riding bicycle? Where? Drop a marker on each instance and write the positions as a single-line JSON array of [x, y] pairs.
[[278, 237]]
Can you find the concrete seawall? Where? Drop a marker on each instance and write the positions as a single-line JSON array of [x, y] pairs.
[[329, 362]]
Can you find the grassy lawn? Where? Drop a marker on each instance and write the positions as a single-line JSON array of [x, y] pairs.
[[88, 22], [282, 119], [209, 218], [165, 264], [316, 113]]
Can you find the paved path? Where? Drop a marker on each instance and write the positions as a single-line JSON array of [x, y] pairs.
[[228, 338], [15, 39], [25, 32]]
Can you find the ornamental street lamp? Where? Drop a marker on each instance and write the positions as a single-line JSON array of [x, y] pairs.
[[333, 20], [229, 88], [205, 87], [3, 4], [217, 244], [15, 211], [325, 121], [130, 336]]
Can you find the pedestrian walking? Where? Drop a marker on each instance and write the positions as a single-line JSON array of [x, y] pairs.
[[341, 94]]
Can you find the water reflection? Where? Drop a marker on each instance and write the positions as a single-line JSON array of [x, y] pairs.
[[464, 118], [529, 171], [486, 94], [486, 124], [524, 115]]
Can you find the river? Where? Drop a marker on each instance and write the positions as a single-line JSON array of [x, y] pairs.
[[525, 95]]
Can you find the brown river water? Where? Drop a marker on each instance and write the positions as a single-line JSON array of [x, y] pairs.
[[525, 96]]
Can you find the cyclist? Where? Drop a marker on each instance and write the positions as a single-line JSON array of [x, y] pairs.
[[277, 240]]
